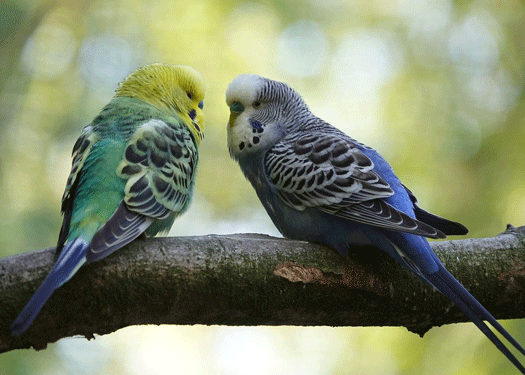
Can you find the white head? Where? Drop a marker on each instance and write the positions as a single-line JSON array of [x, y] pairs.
[[261, 113]]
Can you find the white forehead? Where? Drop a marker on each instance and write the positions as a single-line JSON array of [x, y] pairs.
[[244, 88]]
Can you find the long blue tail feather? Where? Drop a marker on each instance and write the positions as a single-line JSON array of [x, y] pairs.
[[447, 284], [72, 256], [482, 312], [415, 254]]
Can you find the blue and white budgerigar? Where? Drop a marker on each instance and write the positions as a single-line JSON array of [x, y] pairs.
[[133, 172], [318, 184]]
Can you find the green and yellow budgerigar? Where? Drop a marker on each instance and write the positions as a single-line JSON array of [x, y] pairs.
[[133, 172]]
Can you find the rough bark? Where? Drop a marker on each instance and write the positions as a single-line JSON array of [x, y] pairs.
[[249, 279]]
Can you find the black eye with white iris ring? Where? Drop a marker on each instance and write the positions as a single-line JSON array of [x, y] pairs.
[[190, 95]]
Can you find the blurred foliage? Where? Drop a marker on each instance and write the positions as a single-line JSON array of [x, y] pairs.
[[435, 86]]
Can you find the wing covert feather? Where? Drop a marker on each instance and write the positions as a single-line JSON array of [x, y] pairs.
[[81, 150], [316, 171], [330, 173], [159, 163]]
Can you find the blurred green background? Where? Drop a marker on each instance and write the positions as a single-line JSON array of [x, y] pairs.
[[434, 85]]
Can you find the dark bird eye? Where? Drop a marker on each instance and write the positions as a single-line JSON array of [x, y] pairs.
[[190, 95], [256, 104]]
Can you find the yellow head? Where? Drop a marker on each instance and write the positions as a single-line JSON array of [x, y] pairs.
[[175, 89]]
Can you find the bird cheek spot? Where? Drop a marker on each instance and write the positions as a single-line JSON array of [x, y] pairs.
[[256, 140], [256, 124], [192, 114], [241, 146]]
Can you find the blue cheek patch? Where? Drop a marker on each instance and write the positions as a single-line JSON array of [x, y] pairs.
[[256, 124]]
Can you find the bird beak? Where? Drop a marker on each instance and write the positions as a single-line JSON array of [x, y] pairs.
[[233, 118], [236, 108]]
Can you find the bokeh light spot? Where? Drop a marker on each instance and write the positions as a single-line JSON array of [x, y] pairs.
[[302, 49]]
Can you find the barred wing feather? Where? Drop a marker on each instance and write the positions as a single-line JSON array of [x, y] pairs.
[[330, 173]]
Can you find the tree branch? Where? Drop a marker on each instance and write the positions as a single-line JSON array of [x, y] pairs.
[[256, 280]]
